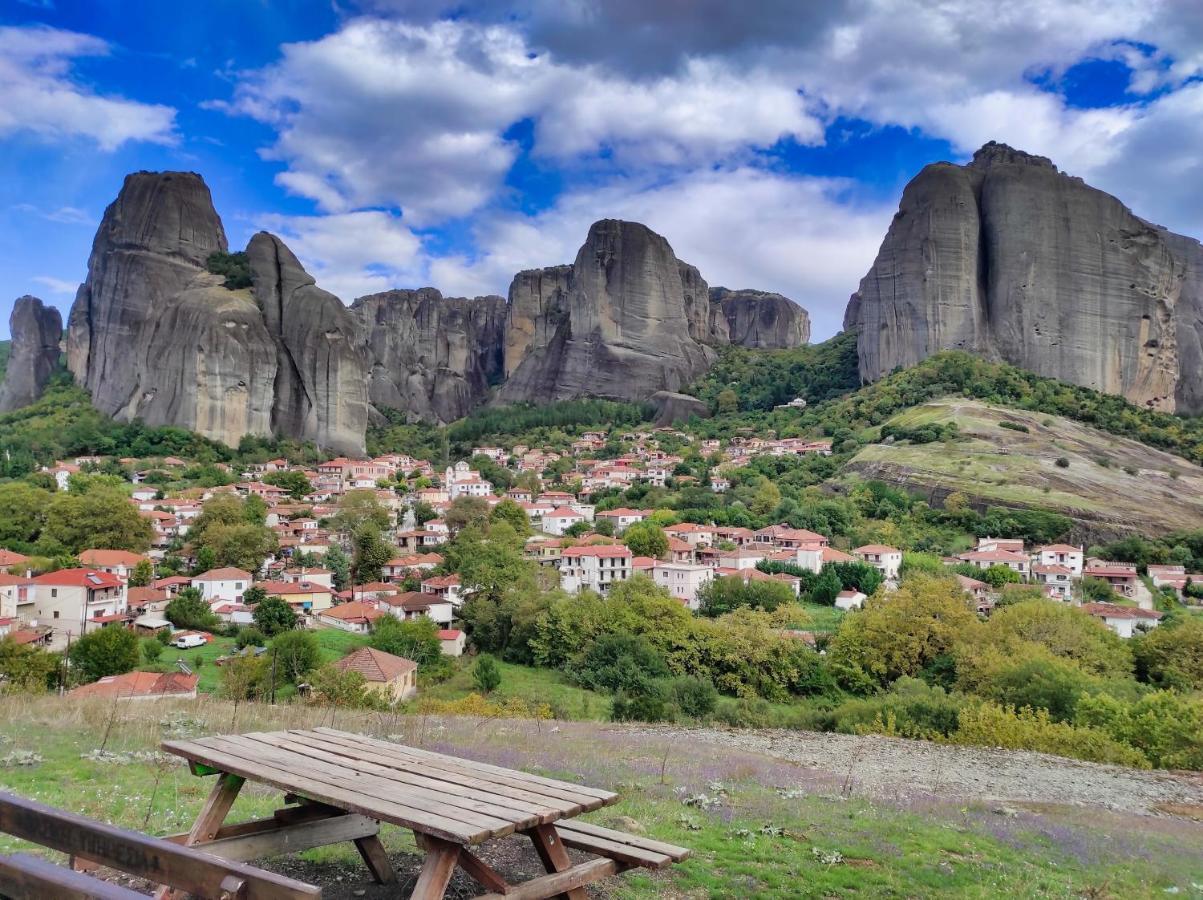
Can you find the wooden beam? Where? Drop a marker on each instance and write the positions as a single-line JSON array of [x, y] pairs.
[[30, 878], [374, 857], [567, 882], [138, 854], [437, 869], [283, 838], [555, 858], [484, 874]]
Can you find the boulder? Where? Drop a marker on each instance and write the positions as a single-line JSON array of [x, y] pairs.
[[36, 331], [1010, 258], [762, 320], [673, 408], [321, 378], [432, 357], [618, 325]]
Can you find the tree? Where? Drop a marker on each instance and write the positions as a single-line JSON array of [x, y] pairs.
[[332, 686], [143, 574], [826, 587], [766, 499], [337, 562], [646, 539], [998, 575], [860, 576], [414, 639], [372, 553], [250, 637], [100, 517], [1065, 631], [254, 595], [188, 609], [358, 508], [293, 481], [22, 509], [296, 653], [513, 515], [722, 595], [486, 675], [152, 650], [728, 401], [424, 512], [695, 697], [274, 616], [618, 662], [105, 651], [243, 545], [467, 512], [1171, 655], [26, 667]]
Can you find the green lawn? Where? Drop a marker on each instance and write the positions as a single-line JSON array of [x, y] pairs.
[[759, 827], [531, 685]]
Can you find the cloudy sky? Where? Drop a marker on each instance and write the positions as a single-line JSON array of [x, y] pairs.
[[399, 143]]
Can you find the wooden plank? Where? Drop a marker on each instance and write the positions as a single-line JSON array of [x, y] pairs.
[[624, 853], [462, 809], [437, 869], [523, 808], [291, 838], [605, 797], [673, 852], [138, 854], [484, 874], [333, 794], [397, 756], [25, 877], [554, 857], [570, 881], [289, 815], [373, 855]]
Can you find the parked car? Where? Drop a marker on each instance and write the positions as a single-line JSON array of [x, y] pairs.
[[188, 641]]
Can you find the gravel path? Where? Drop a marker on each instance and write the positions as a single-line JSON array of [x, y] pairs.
[[898, 768]]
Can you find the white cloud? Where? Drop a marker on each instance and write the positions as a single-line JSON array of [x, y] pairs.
[[38, 94], [56, 285]]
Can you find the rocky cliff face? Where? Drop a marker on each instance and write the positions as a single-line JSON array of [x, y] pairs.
[[36, 331], [433, 357], [623, 323], [761, 320], [1012, 259]]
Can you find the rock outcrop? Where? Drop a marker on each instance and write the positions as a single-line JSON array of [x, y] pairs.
[[36, 331], [617, 325], [321, 379], [673, 408], [761, 320], [1011, 259], [432, 357]]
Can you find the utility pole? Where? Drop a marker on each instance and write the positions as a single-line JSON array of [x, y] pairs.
[[273, 676]]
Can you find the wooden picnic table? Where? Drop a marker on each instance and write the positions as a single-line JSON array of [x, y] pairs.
[[345, 784]]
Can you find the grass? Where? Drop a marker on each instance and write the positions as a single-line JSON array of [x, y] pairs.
[[820, 617], [767, 828], [531, 685]]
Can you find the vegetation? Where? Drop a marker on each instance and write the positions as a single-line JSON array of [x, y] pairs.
[[235, 267]]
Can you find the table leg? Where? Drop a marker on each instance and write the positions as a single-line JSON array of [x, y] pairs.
[[441, 858], [376, 859], [214, 812], [555, 858]]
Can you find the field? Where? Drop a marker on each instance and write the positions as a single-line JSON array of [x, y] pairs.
[[760, 825], [1111, 485]]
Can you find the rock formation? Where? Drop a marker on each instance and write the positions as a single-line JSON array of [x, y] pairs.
[[321, 379], [36, 331], [617, 325], [761, 320], [673, 408], [1009, 258], [432, 357]]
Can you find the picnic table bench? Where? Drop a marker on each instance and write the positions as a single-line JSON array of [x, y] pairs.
[[345, 784]]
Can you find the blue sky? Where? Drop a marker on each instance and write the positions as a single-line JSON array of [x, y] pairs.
[[412, 142]]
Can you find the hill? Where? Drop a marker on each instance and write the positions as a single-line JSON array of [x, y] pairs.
[[1110, 485]]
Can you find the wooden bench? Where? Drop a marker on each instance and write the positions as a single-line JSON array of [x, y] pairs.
[[166, 863], [629, 849]]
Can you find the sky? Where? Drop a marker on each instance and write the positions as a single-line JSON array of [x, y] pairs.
[[403, 143]]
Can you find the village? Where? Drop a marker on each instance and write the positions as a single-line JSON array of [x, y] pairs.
[[576, 546]]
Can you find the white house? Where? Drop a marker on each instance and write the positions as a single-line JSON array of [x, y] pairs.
[[559, 520], [411, 604], [1066, 555], [597, 567], [1013, 560], [850, 599], [682, 580], [622, 518], [226, 583], [1123, 620], [461, 480], [886, 559], [452, 641], [116, 562], [1056, 579], [73, 601]]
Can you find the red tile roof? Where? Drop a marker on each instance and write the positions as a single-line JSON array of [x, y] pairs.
[[110, 558], [140, 684], [87, 578], [228, 573], [376, 665]]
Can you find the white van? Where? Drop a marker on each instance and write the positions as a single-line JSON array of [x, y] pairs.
[[188, 641]]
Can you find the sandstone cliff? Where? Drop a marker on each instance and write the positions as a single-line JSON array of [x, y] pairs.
[[430, 356], [623, 323], [761, 320], [1012, 259], [36, 331]]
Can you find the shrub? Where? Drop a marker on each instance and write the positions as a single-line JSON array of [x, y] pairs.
[[618, 662], [1038, 682], [987, 724], [644, 700], [188, 609], [1171, 655], [274, 616], [151, 650], [1062, 462], [296, 654], [105, 651], [722, 595], [249, 637], [1166, 727], [912, 708], [485, 675], [1013, 426], [694, 697], [236, 268]]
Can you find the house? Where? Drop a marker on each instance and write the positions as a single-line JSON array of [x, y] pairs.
[[311, 574], [393, 677], [622, 518], [979, 592], [1011, 545], [464, 481], [1123, 620], [682, 579], [411, 604], [141, 686], [452, 641], [597, 567], [560, 519], [13, 591], [1066, 555], [1012, 559], [445, 586], [356, 616], [9, 558], [1057, 580], [303, 596], [227, 583], [234, 613], [116, 562], [397, 568], [73, 599], [1121, 576], [740, 558], [886, 559], [849, 599], [172, 584], [815, 556]]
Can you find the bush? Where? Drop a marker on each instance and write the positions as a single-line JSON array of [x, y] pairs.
[[274, 616], [1171, 655], [1013, 426], [1046, 683], [722, 595], [250, 637], [295, 654], [1062, 462], [236, 268], [987, 724], [694, 697], [912, 708], [1166, 727], [618, 662], [485, 675], [643, 700], [151, 650], [188, 609], [105, 651]]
